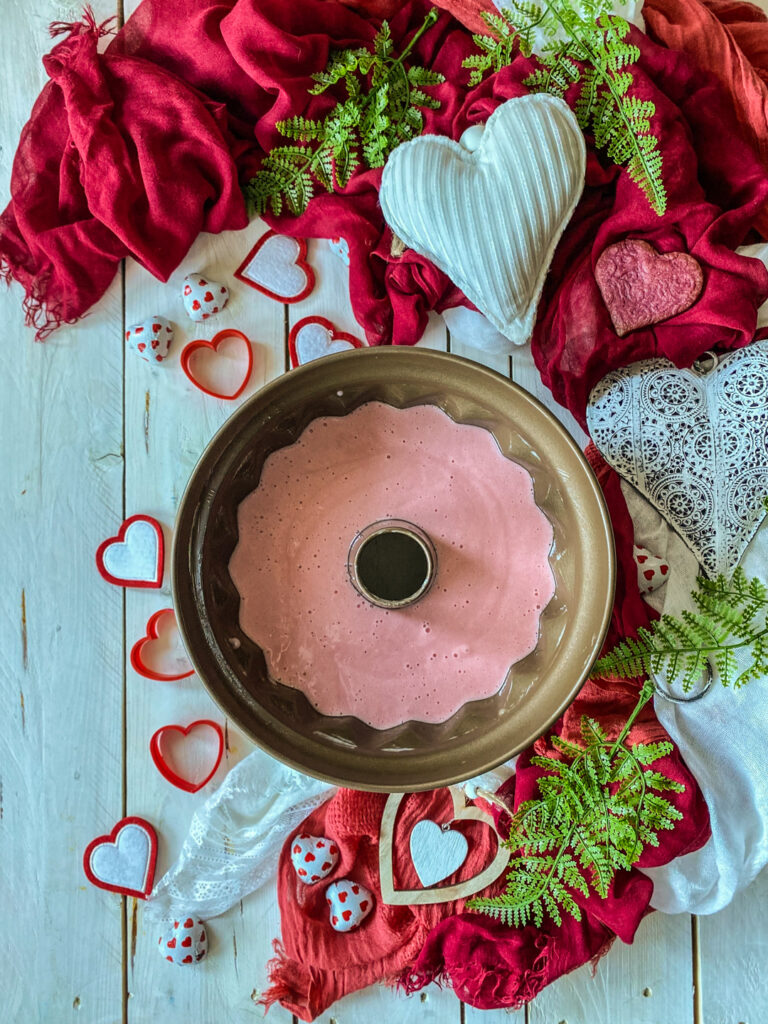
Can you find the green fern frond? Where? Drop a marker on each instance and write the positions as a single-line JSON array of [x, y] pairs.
[[598, 806], [597, 62], [381, 110], [730, 617]]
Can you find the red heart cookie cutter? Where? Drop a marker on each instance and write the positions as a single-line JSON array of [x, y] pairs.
[[155, 749], [153, 633], [120, 581], [194, 346], [113, 840], [322, 322], [300, 261]]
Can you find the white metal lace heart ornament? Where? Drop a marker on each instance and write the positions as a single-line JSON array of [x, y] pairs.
[[491, 218], [696, 446]]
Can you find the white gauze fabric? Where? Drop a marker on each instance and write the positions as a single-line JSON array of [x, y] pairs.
[[235, 838], [722, 737]]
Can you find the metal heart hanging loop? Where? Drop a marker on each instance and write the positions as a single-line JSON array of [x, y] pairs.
[[448, 893]]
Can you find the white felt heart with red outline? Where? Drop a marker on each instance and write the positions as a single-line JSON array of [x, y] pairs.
[[123, 861], [277, 266], [135, 556], [314, 337]]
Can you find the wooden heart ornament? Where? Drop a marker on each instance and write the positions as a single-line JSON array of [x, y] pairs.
[[695, 445], [314, 336], [277, 266], [434, 861], [491, 218]]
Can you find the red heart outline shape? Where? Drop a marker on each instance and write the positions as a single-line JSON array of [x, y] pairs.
[[120, 539], [153, 633], [111, 839], [189, 350], [321, 320], [155, 749], [300, 261]]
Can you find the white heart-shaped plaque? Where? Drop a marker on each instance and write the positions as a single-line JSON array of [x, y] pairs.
[[135, 557], [436, 852], [695, 446], [491, 218]]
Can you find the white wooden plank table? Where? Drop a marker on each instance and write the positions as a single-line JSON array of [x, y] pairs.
[[89, 436]]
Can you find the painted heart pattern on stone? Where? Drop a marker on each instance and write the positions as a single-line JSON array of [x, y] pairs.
[[313, 857], [652, 571], [277, 266], [436, 852], [123, 861], [185, 942], [491, 219], [349, 903], [203, 297], [641, 286], [314, 337], [696, 446], [151, 339]]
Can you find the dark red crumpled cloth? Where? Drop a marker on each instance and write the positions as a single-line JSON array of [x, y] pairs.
[[213, 77]]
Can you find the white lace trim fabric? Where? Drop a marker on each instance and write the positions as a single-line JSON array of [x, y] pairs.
[[235, 838], [696, 446]]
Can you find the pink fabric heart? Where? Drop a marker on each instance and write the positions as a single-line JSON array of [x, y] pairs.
[[641, 286]]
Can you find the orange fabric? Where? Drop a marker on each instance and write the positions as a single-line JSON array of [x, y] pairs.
[[730, 39]]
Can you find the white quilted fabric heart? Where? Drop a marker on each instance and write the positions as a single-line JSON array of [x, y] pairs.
[[491, 219], [695, 446]]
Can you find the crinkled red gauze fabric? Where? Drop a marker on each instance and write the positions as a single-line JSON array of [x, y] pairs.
[[119, 157], [716, 188], [731, 40], [317, 965]]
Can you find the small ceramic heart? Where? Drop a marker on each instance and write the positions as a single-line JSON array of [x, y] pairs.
[[340, 248], [134, 558], [185, 942], [652, 571], [151, 339], [123, 861], [349, 903], [445, 894], [203, 297], [277, 266], [159, 654], [313, 857], [219, 374], [641, 287], [436, 852], [314, 337], [188, 757]]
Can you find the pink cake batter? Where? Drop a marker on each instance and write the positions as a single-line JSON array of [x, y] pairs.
[[482, 612]]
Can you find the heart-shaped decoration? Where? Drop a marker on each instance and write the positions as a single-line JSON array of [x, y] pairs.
[[277, 266], [123, 861], [201, 373], [203, 297], [349, 903], [461, 890], [151, 339], [340, 247], [641, 286], [185, 942], [135, 557], [314, 337], [166, 761], [162, 634], [652, 571], [491, 218], [436, 852], [696, 446], [313, 857]]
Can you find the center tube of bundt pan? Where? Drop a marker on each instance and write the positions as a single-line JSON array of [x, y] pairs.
[[392, 563]]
